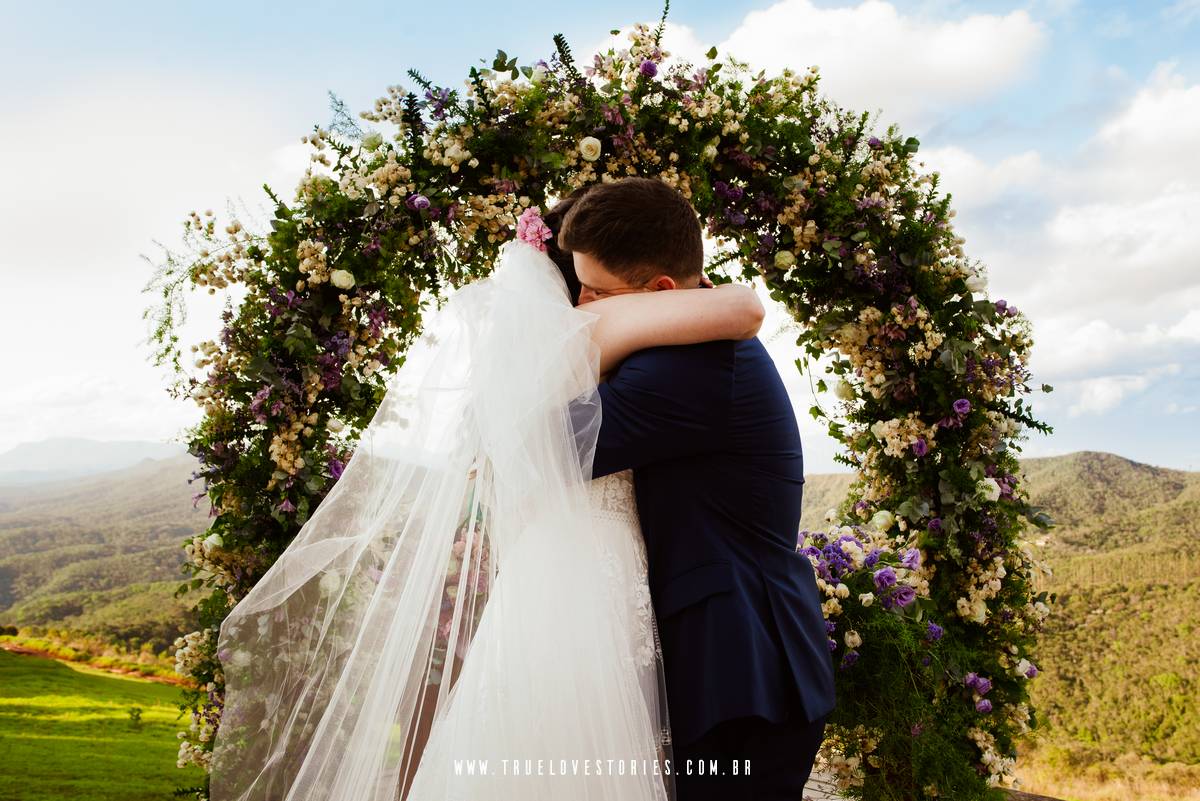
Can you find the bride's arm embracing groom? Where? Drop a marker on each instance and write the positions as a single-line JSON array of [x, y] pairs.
[[713, 442]]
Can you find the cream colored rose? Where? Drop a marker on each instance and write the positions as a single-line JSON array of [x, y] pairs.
[[977, 282], [990, 488], [372, 141], [785, 259], [866, 598], [589, 148], [853, 639], [214, 541], [342, 279], [843, 390], [882, 520]]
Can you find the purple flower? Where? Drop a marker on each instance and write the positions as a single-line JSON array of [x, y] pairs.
[[874, 142], [920, 447], [934, 632], [849, 658], [872, 558], [983, 685], [983, 705], [903, 595], [1033, 671], [935, 524], [648, 68], [885, 577], [962, 406], [335, 468], [912, 559], [286, 506], [833, 645], [917, 728], [417, 202]]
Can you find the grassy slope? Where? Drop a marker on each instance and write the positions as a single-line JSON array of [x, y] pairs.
[[66, 733]]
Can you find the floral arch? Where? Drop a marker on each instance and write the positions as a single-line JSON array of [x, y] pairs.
[[931, 606]]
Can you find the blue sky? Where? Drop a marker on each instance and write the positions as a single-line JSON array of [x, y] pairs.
[[1064, 130]]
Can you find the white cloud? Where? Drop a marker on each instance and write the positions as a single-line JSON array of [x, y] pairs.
[[1100, 394], [1182, 12]]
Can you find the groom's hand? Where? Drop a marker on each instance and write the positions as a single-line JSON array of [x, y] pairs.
[[705, 281]]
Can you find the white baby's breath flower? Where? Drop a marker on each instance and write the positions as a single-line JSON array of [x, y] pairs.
[[589, 148], [342, 279]]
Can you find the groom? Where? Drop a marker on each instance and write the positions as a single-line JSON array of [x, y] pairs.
[[718, 473]]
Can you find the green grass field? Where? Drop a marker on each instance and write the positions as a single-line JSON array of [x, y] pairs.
[[66, 734]]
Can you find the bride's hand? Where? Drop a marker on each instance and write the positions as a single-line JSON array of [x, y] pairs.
[[632, 321]]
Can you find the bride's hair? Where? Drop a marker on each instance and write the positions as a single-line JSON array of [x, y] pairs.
[[554, 219], [637, 228]]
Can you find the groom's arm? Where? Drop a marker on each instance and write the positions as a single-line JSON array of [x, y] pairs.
[[665, 403]]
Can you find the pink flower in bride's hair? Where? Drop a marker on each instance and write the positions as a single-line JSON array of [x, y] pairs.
[[532, 228]]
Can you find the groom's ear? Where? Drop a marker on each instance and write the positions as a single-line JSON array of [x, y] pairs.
[[664, 282]]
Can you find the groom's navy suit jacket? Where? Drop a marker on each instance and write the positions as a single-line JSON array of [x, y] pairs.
[[719, 476]]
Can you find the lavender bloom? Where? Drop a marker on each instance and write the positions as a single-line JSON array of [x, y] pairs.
[[983, 685], [983, 705], [417, 202], [872, 558], [962, 406], [920, 447], [849, 658], [885, 577], [935, 524], [648, 68], [934, 632], [1033, 671], [912, 559], [286, 506]]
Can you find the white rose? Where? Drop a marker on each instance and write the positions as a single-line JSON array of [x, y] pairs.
[[330, 583], [342, 279], [843, 390], [785, 259], [240, 659], [214, 541], [867, 598], [335, 425], [882, 520], [853, 639], [538, 74], [1022, 667], [372, 141], [977, 282], [990, 488], [589, 148]]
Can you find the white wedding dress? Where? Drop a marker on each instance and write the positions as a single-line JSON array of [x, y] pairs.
[[505, 665], [465, 615]]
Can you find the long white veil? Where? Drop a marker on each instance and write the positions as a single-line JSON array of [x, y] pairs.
[[444, 612]]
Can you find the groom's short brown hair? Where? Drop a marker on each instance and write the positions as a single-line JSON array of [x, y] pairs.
[[637, 228]]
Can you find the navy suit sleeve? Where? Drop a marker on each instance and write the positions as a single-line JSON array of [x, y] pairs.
[[665, 403]]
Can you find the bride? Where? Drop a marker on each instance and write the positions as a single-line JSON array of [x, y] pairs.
[[466, 614]]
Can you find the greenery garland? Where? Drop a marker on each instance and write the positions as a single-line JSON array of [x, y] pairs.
[[931, 607]]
